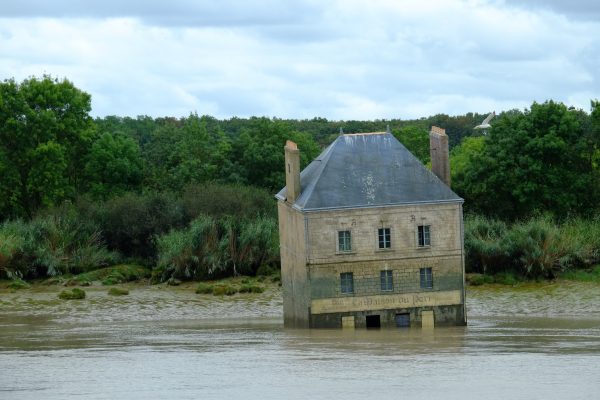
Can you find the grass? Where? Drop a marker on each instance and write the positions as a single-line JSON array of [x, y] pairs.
[[73, 294], [117, 291], [502, 278], [17, 284], [116, 274], [590, 275], [229, 287]]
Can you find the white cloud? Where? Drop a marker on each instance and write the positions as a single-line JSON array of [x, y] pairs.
[[344, 60]]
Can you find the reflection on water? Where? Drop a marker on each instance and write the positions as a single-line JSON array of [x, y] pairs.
[[541, 341]]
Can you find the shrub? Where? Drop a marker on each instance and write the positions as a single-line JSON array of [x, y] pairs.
[[212, 248], [130, 222], [475, 279], [74, 294], [224, 289], [116, 291], [204, 288], [18, 284], [250, 288], [113, 275], [219, 200]]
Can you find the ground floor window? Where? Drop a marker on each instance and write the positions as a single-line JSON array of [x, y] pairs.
[[347, 282], [426, 278]]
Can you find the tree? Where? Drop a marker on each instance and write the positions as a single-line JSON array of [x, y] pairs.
[[532, 161], [44, 135], [259, 152], [113, 166], [416, 140]]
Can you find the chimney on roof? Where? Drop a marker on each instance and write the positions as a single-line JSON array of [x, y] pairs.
[[438, 149], [292, 171]]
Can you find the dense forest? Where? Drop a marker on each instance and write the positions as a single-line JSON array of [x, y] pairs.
[[192, 197]]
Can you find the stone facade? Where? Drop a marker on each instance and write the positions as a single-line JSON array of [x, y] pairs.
[[414, 279]]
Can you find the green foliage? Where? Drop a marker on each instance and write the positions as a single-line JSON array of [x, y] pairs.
[[54, 243], [532, 161], [117, 291], [258, 153], [18, 284], [129, 222], [45, 133], [229, 287], [204, 288], [113, 166], [211, 247], [73, 294], [218, 200], [416, 140], [538, 247], [115, 274], [588, 275]]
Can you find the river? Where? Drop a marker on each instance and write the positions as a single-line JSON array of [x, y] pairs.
[[539, 341]]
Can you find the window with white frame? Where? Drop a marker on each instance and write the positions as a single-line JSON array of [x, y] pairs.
[[384, 238], [424, 235], [347, 282], [426, 278], [387, 280], [344, 241]]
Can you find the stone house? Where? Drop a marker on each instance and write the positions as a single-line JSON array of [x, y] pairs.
[[370, 237]]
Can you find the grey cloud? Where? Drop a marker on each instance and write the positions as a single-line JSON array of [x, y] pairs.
[[580, 9], [167, 13]]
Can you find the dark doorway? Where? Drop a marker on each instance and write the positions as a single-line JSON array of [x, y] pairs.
[[403, 320], [373, 321]]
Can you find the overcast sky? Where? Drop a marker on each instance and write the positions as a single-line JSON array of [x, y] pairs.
[[300, 59]]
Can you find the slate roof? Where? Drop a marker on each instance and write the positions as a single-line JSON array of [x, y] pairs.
[[367, 170]]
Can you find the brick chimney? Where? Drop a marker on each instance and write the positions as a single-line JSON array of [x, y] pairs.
[[292, 171], [438, 149]]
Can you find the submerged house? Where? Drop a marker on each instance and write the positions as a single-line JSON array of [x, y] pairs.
[[370, 237]]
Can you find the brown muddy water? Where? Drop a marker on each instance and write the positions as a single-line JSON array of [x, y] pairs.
[[532, 342]]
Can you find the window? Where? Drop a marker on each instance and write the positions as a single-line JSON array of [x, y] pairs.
[[387, 282], [384, 238], [344, 241], [424, 235], [426, 278], [347, 282]]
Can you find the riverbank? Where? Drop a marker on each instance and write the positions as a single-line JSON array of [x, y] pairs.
[[145, 302]]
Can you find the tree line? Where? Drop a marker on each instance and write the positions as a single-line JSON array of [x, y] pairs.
[[193, 195]]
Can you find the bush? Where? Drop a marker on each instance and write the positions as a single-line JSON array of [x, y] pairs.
[[116, 291], [18, 284], [204, 288], [219, 200], [130, 222], [475, 279], [74, 294], [121, 273], [535, 248], [250, 288], [588, 275], [224, 289], [212, 248]]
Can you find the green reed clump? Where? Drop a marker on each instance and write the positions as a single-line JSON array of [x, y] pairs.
[[117, 291], [73, 294], [535, 248], [212, 247]]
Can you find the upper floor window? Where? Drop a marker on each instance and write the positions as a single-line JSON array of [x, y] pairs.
[[384, 237], [347, 282], [344, 241], [387, 282], [426, 278], [424, 235]]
